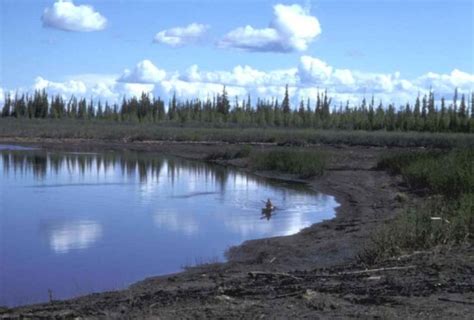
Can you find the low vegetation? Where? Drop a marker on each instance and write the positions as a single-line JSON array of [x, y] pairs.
[[445, 216], [304, 163], [229, 154], [121, 131], [449, 174]]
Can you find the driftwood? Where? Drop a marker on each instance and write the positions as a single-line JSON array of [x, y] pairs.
[[440, 219], [456, 301], [405, 256], [291, 294], [255, 274], [376, 270]]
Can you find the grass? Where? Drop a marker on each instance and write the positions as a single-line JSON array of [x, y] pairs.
[[416, 228], [229, 154], [119, 131], [449, 174], [445, 217], [304, 163]]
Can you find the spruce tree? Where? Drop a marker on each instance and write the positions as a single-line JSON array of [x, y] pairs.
[[286, 102], [6, 106]]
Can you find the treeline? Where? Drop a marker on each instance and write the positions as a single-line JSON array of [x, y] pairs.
[[422, 115]]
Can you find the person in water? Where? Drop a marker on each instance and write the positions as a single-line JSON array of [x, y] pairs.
[[269, 204]]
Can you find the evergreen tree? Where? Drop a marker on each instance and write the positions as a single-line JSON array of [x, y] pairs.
[[285, 105], [90, 110], [82, 109], [100, 112], [223, 105], [173, 108], [6, 110]]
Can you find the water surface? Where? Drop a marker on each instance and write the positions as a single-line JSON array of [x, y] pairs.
[[76, 223]]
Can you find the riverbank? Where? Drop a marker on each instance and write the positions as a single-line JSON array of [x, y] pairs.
[[313, 273]]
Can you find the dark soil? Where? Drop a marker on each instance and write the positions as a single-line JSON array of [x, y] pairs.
[[315, 274]]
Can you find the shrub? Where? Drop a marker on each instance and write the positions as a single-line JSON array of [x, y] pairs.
[[304, 163], [229, 154], [449, 174], [445, 217], [435, 222]]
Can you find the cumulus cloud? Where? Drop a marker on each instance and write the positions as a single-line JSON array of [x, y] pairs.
[[445, 82], [292, 29], [2, 97], [65, 15], [68, 87], [180, 36], [133, 89], [249, 39], [241, 76], [310, 76], [314, 70], [144, 72], [96, 86]]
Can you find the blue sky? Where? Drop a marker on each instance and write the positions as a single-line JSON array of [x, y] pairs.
[[360, 47]]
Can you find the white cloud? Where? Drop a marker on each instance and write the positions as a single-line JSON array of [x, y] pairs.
[[344, 77], [310, 76], [64, 15], [144, 72], [2, 97], [68, 87], [133, 89], [192, 90], [97, 86], [241, 76], [314, 70], [292, 29], [250, 39], [295, 24], [180, 36], [446, 82]]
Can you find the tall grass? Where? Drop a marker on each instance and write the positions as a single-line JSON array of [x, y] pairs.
[[304, 163], [106, 130], [446, 216], [230, 153], [449, 174]]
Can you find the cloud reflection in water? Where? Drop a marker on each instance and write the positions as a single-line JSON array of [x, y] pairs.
[[73, 235], [178, 222]]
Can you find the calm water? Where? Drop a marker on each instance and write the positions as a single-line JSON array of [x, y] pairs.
[[77, 223]]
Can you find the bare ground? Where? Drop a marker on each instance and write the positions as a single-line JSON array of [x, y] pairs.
[[314, 274]]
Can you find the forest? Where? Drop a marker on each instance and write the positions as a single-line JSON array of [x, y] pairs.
[[425, 114]]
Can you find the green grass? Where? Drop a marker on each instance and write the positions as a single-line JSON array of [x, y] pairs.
[[436, 222], [230, 153], [119, 131], [445, 217], [449, 174], [304, 163]]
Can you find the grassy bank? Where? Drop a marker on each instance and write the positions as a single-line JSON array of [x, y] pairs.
[[445, 216], [106, 130], [303, 163]]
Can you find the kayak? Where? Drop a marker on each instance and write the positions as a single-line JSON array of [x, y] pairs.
[[269, 210]]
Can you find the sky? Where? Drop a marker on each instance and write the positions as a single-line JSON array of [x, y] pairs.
[[107, 49]]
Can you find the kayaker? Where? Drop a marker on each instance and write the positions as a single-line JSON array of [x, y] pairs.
[[269, 204]]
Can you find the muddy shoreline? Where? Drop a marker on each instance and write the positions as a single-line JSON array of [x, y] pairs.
[[314, 273]]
